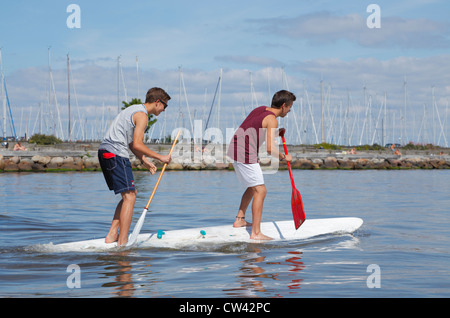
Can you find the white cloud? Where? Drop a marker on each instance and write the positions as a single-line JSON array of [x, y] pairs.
[[97, 86], [324, 27], [248, 60]]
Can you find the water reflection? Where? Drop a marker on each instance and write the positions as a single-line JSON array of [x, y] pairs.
[[297, 266], [259, 272], [254, 274], [121, 273]]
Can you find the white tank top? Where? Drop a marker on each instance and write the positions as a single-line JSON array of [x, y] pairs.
[[120, 133]]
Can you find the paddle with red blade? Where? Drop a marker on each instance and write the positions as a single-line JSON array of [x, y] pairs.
[[296, 201]]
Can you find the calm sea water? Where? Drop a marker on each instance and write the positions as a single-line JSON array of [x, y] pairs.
[[402, 249]]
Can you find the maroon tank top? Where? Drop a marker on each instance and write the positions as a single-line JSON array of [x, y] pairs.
[[244, 146]]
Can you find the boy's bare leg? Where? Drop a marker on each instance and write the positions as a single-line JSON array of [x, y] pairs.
[[245, 202], [126, 215], [257, 208], [113, 233], [122, 219]]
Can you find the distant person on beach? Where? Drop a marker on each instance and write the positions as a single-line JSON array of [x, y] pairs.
[[127, 133], [395, 151], [19, 147], [259, 126]]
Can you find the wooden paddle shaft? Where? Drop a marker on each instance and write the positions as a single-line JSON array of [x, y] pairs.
[[162, 172]]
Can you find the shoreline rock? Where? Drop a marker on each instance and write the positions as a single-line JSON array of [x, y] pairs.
[[83, 157], [88, 162]]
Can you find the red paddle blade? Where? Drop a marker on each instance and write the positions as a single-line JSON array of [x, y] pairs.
[[297, 208]]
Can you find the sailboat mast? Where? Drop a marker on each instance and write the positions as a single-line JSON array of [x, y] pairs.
[[3, 96], [404, 115], [321, 112], [137, 75], [118, 84], [57, 117], [50, 92], [68, 91]]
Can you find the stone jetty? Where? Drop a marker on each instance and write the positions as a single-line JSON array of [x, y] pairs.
[[83, 157]]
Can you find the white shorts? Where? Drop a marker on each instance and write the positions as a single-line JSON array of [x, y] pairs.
[[250, 175]]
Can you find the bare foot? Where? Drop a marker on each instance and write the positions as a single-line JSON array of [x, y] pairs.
[[111, 238], [260, 237], [241, 222], [122, 244]]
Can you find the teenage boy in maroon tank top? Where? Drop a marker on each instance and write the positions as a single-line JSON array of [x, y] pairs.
[[259, 126]]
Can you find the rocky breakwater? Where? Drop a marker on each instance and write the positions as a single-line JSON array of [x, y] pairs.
[[369, 162], [21, 162], [35, 161], [47, 163]]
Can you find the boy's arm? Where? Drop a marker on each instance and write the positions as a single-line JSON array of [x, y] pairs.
[[137, 146], [271, 123]]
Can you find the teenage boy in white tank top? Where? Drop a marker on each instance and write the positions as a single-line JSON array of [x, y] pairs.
[[127, 133]]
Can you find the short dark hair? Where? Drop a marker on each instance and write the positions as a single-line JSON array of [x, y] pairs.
[[281, 97], [155, 93]]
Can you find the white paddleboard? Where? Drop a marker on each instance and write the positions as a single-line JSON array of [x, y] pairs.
[[278, 230]]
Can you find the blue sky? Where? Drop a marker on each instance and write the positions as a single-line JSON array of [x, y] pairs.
[[206, 34], [309, 40]]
